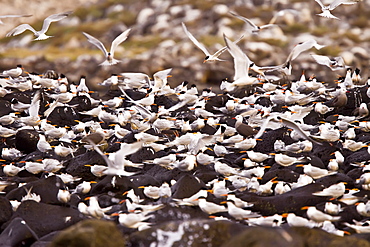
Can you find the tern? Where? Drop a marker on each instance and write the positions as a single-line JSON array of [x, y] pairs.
[[336, 63], [209, 57], [296, 51], [285, 122], [40, 35], [13, 72], [241, 67], [256, 28], [11, 16], [109, 55], [326, 9]]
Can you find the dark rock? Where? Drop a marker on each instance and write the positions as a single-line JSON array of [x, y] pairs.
[[63, 116], [17, 233], [98, 233], [46, 188], [76, 166], [191, 233], [6, 210], [26, 140], [291, 237], [5, 108]]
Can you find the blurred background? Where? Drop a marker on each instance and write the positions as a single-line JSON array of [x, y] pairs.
[[157, 40]]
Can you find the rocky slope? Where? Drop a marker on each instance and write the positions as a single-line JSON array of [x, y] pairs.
[[157, 40]]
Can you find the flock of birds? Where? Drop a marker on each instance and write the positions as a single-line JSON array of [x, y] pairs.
[[229, 155]]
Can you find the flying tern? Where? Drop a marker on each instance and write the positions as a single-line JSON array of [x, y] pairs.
[[326, 9], [241, 67], [209, 57], [336, 63], [40, 35], [109, 55], [255, 28]]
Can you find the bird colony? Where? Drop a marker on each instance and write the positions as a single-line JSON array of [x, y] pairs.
[[267, 150]]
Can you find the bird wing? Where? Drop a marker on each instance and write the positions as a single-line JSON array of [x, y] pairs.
[[53, 18], [336, 3], [96, 42], [13, 16], [241, 60], [301, 47], [119, 158], [320, 3], [245, 20], [143, 111], [294, 126], [323, 60], [267, 26], [20, 29], [35, 104], [223, 49], [195, 41], [263, 127], [118, 40]]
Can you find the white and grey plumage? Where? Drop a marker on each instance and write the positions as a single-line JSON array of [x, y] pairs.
[[296, 51], [109, 55], [287, 123], [13, 72], [11, 16], [255, 28], [241, 66], [336, 63], [326, 9], [209, 57], [335, 190], [40, 35]]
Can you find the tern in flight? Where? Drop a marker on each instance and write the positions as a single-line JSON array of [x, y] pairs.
[[109, 55], [326, 9], [256, 28], [209, 57], [40, 35]]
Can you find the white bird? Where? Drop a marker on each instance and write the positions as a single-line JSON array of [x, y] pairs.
[[34, 167], [359, 228], [332, 208], [255, 28], [11, 170], [315, 172], [150, 191], [335, 63], [239, 213], [109, 55], [210, 207], [11, 16], [13, 72], [287, 123], [326, 9], [117, 166], [296, 51], [40, 35], [93, 209], [286, 160], [63, 196], [134, 220], [318, 216], [241, 67], [209, 57], [294, 220]]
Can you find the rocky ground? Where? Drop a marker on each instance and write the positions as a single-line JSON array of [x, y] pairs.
[[34, 212], [157, 40]]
